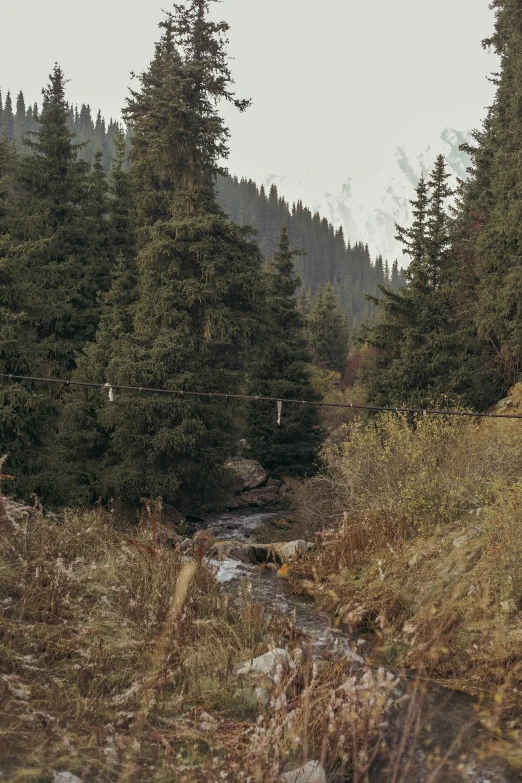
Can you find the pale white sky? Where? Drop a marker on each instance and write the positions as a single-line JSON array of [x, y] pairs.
[[333, 82]]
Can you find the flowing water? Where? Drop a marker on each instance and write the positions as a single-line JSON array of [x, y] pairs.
[[448, 713]]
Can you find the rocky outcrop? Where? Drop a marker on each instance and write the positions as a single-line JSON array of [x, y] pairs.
[[511, 404]]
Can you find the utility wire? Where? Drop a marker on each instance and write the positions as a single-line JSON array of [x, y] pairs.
[[259, 398]]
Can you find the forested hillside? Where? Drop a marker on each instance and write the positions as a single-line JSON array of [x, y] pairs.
[[19, 121], [329, 257]]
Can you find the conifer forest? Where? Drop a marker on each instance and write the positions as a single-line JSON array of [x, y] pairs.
[[260, 488]]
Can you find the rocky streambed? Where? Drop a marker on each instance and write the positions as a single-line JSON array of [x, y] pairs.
[[237, 559]]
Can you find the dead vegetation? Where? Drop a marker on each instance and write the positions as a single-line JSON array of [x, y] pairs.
[[419, 546], [118, 662]]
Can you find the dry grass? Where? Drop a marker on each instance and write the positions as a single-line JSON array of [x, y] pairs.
[[117, 663], [422, 546], [117, 660], [103, 666]]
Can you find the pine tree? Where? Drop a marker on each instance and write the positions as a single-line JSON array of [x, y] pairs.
[[8, 118], [27, 414], [493, 203], [19, 121], [198, 281], [280, 369], [328, 330], [55, 236], [422, 353]]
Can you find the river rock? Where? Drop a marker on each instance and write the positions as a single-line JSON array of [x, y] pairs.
[[264, 496], [289, 551], [246, 473], [312, 772], [245, 553], [167, 534], [292, 483], [266, 664], [274, 483], [171, 515], [65, 777]]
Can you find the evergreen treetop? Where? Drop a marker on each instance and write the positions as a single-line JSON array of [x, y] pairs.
[[280, 369]]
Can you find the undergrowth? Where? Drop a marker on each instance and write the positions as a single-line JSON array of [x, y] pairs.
[[419, 548], [118, 662]]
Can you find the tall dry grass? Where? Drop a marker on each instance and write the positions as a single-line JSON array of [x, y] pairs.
[[118, 659], [419, 541], [102, 666]]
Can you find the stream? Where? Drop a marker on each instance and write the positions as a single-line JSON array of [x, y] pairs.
[[447, 712]]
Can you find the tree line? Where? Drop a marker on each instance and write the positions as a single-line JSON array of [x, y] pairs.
[[453, 333], [329, 257], [137, 276]]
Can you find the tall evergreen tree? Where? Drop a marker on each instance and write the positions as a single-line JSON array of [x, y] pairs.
[[328, 329], [198, 279], [494, 205], [27, 414], [122, 220], [20, 121], [422, 352], [8, 118], [280, 369], [55, 236]]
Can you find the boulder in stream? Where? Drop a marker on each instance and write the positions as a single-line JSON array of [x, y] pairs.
[[167, 534], [259, 675], [266, 664], [246, 473], [265, 496], [289, 551]]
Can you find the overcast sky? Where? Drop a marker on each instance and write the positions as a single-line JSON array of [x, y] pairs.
[[332, 82]]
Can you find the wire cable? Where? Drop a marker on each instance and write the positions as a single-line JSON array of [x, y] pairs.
[[259, 398]]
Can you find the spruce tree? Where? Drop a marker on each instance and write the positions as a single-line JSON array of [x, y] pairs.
[[55, 237], [422, 353], [8, 118], [493, 203], [280, 370], [328, 330], [199, 280], [122, 220], [19, 121], [27, 414]]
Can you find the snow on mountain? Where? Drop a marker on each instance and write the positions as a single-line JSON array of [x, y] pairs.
[[369, 203]]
